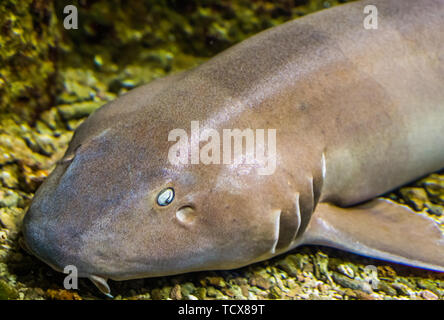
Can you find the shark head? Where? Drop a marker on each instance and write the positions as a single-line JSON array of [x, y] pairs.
[[115, 208]]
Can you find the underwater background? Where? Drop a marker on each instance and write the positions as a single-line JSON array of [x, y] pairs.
[[52, 78]]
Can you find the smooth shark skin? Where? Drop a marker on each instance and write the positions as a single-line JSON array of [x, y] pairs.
[[357, 113]]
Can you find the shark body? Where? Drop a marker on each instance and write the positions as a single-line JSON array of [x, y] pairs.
[[357, 113]]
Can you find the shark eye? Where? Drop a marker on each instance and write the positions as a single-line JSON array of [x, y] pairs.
[[165, 197]]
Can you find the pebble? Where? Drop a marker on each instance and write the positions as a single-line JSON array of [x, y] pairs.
[[216, 281], [78, 110], [62, 294], [385, 287], [260, 282], [433, 184], [10, 218], [416, 197], [288, 264], [435, 209], [8, 176], [245, 290], [361, 295], [8, 198], [176, 293], [7, 291], [50, 118], [346, 270], [321, 266], [402, 289], [428, 295], [187, 288], [354, 284]]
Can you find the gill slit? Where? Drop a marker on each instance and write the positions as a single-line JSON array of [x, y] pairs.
[[276, 231], [298, 216]]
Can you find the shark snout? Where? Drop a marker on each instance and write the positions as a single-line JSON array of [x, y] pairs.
[[57, 244], [48, 233], [38, 240]]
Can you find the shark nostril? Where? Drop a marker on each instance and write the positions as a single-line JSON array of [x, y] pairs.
[[186, 215]]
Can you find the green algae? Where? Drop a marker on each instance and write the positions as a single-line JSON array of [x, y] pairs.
[[7, 292], [38, 56], [28, 40]]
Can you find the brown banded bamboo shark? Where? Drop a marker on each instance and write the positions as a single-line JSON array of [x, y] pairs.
[[357, 113]]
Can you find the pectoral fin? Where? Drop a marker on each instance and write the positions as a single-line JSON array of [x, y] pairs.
[[380, 229]]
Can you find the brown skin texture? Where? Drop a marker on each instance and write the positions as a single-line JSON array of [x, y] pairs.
[[369, 101]]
